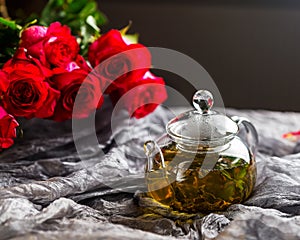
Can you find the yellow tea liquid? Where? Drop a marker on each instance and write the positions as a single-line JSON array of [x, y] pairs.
[[198, 182]]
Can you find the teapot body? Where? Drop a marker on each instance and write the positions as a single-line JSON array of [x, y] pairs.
[[203, 180]]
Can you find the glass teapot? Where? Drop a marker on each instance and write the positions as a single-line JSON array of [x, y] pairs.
[[205, 162]]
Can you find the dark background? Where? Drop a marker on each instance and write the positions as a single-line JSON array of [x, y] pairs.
[[250, 48]]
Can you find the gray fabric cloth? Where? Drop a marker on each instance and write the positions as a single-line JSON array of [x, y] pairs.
[[48, 192]]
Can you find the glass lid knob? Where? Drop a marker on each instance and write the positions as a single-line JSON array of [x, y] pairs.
[[203, 101]]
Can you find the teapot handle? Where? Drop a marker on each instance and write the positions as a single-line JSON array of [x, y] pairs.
[[151, 148], [251, 136]]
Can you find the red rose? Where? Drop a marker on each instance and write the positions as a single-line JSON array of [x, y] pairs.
[[21, 60], [55, 48], [28, 94], [143, 96], [61, 47], [118, 65], [78, 85], [7, 129]]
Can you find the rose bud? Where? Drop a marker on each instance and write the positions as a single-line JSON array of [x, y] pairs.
[[7, 129], [143, 96], [116, 62], [32, 39]]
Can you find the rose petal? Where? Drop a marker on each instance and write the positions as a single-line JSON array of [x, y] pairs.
[[6, 142], [4, 82], [7, 129], [292, 136], [47, 110]]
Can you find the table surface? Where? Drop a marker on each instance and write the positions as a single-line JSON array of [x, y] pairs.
[[48, 192]]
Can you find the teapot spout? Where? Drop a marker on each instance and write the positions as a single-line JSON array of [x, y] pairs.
[[151, 148]]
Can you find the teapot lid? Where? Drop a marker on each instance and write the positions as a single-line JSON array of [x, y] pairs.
[[202, 127]]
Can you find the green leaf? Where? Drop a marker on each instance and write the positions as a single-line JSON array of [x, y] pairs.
[[240, 185], [226, 174], [101, 19], [76, 6], [89, 9], [58, 3], [49, 9]]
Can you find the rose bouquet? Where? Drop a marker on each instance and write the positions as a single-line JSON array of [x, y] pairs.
[[53, 63]]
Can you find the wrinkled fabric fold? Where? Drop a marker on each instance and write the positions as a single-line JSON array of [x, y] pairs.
[[48, 192]]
